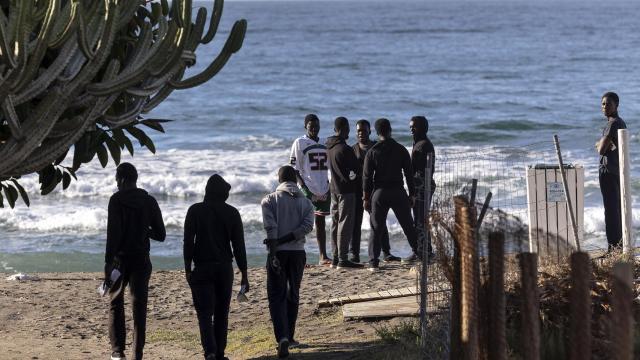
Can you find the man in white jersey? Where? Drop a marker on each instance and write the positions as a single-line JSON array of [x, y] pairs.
[[309, 158]]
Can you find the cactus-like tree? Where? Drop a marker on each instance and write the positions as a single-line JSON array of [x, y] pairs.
[[79, 73]]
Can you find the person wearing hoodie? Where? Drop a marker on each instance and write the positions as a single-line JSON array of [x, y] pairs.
[[422, 146], [213, 235], [382, 182], [133, 218], [344, 168], [287, 217]]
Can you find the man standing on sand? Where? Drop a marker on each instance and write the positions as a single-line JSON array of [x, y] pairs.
[[384, 166], [363, 131], [287, 217], [309, 159], [133, 217], [212, 229], [344, 168], [609, 169], [422, 146]]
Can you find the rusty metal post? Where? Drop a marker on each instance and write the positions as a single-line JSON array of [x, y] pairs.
[[530, 306], [465, 229], [580, 330], [497, 338], [455, 344], [622, 312]]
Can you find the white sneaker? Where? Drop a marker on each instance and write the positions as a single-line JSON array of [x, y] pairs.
[[118, 356]]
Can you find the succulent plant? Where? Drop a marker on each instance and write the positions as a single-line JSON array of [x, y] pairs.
[[81, 72]]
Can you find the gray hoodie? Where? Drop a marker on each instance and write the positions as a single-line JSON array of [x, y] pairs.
[[285, 211]]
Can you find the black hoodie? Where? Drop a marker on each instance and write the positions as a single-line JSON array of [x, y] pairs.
[[212, 228], [133, 217], [344, 166]]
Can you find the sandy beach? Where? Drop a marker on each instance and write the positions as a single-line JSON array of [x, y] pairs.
[[61, 316]]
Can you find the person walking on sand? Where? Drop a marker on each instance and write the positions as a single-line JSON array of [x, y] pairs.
[[422, 146], [287, 216], [384, 166], [609, 169], [212, 229], [133, 218], [309, 159], [344, 168], [363, 131]]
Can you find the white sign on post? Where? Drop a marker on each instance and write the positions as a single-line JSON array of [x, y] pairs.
[[555, 192]]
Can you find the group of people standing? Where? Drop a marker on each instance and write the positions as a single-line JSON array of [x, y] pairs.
[[343, 181], [323, 178]]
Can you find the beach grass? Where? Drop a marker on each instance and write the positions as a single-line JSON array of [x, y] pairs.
[[251, 341], [186, 339]]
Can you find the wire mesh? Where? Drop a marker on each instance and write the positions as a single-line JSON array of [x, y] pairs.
[[500, 175]]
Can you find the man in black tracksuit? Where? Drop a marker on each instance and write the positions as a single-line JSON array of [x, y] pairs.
[[384, 166], [211, 229], [609, 169], [360, 148], [133, 218], [422, 146], [344, 169]]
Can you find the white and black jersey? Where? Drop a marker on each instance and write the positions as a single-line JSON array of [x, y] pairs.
[[309, 157]]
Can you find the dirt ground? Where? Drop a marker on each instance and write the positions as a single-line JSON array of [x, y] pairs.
[[61, 316]]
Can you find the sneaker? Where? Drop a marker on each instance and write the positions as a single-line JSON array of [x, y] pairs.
[[373, 267], [325, 262], [334, 263], [283, 348], [349, 265], [116, 355], [210, 357], [390, 258], [354, 258], [411, 259], [293, 344]]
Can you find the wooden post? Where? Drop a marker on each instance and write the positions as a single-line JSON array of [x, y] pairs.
[[465, 236], [622, 311], [530, 306], [572, 215], [424, 284], [497, 338], [580, 329], [625, 191]]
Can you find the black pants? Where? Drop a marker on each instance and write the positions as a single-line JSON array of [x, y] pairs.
[[283, 291], [135, 273], [418, 219], [354, 247], [211, 285], [610, 188], [382, 200]]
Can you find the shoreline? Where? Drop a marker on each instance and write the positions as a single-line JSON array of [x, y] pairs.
[[62, 316]]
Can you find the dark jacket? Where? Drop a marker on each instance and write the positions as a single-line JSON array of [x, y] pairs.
[[360, 155], [609, 162], [383, 167], [133, 217], [344, 166], [212, 228], [419, 153]]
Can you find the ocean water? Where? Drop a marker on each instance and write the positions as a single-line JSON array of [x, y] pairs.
[[486, 74]]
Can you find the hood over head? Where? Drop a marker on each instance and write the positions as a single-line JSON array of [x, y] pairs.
[[217, 189]]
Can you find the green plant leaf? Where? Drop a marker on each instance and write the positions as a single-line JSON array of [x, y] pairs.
[[142, 138], [122, 140], [103, 156], [153, 125], [23, 194], [11, 194], [114, 149], [66, 180], [61, 158], [1, 199]]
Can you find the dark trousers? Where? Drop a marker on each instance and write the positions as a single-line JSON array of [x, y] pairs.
[[211, 285], [283, 291], [418, 220], [610, 189], [135, 273], [342, 214], [354, 247], [382, 200]]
